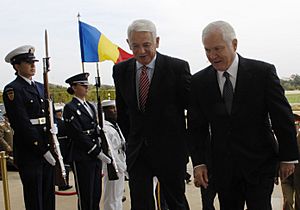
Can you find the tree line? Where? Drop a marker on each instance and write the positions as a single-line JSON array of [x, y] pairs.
[[291, 83], [59, 93]]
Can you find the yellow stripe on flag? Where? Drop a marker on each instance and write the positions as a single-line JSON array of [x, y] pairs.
[[107, 50]]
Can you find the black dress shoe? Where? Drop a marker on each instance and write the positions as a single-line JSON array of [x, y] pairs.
[[64, 188]]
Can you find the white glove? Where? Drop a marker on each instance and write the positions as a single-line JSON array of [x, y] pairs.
[[104, 158], [50, 159], [54, 129]]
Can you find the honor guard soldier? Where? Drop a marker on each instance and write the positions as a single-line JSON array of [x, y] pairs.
[[25, 107], [113, 189], [81, 124]]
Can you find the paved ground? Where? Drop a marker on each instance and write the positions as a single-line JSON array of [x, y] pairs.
[[69, 202]]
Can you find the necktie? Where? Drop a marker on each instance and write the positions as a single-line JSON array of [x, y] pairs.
[[143, 88], [88, 108], [34, 86], [227, 92]]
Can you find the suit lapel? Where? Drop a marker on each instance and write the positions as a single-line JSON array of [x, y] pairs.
[[131, 83], [213, 94], [213, 85], [243, 82], [156, 84]]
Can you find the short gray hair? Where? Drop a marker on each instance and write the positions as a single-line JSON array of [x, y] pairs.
[[220, 26], [142, 25]]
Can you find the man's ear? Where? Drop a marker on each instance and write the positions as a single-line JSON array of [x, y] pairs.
[[16, 67], [234, 44], [157, 42], [127, 40]]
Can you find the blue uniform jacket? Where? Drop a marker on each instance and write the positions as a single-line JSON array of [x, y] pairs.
[[23, 103]]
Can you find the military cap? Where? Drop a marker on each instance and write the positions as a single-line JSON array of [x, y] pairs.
[[81, 78], [23, 53], [106, 103]]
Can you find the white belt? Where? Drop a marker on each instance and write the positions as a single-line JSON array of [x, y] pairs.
[[38, 121]]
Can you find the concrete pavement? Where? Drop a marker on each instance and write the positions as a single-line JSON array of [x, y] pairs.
[[69, 202]]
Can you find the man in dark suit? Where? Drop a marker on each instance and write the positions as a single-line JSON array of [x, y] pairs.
[[151, 95], [25, 107], [238, 103]]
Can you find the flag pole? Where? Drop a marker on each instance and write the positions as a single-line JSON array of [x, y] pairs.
[[82, 63]]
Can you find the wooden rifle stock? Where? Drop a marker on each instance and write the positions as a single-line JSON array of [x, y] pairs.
[[112, 170], [55, 149]]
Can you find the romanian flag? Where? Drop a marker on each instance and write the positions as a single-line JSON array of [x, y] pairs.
[[95, 47]]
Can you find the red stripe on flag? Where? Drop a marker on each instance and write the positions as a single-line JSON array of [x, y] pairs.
[[123, 55]]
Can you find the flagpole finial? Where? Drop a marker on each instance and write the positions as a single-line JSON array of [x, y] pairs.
[[78, 16]]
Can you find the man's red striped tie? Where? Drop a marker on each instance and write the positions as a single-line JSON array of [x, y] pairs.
[[144, 87]]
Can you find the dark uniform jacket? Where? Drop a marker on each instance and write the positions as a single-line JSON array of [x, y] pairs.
[[23, 103], [162, 126], [244, 139], [82, 129]]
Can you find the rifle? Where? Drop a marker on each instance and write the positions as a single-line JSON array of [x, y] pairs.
[[112, 170], [55, 149]]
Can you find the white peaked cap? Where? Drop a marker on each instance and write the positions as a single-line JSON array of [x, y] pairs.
[[106, 103], [26, 51]]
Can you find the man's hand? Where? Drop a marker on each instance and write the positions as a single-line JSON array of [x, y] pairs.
[[286, 169], [50, 159], [201, 176], [104, 158]]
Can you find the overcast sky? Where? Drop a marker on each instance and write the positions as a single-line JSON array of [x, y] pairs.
[[266, 30]]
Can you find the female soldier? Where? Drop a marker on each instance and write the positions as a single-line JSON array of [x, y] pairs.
[[81, 124]]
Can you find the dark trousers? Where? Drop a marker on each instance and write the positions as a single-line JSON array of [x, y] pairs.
[[160, 198], [38, 185], [208, 196], [88, 183], [257, 196], [141, 184]]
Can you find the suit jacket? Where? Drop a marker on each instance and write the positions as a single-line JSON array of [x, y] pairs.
[[162, 126], [81, 127], [22, 103], [243, 140]]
